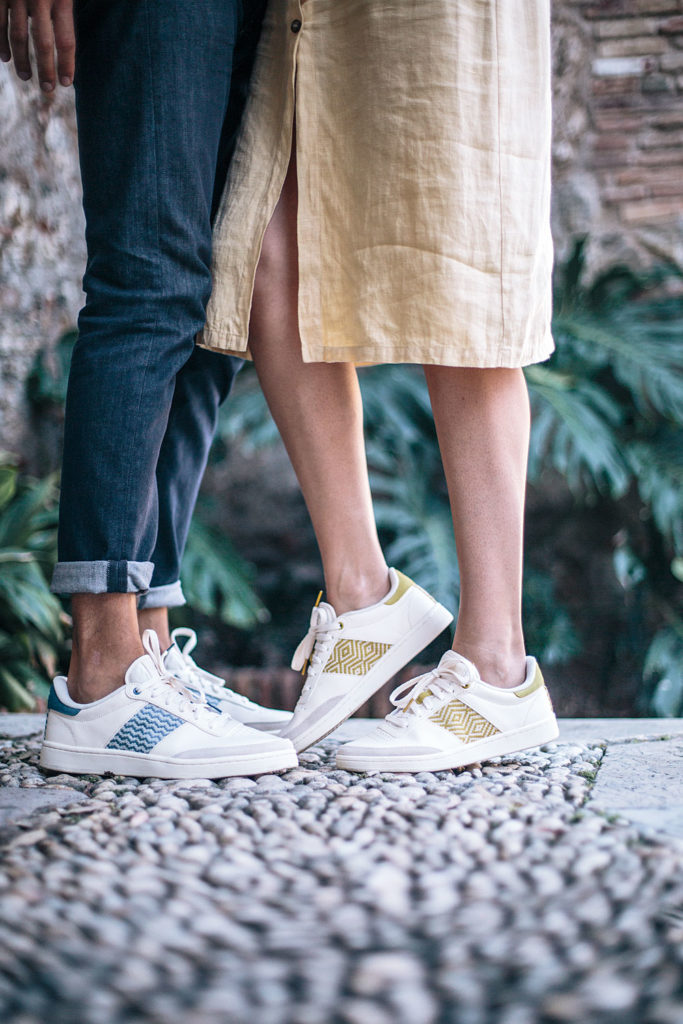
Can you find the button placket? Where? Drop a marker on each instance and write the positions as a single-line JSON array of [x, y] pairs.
[[296, 24]]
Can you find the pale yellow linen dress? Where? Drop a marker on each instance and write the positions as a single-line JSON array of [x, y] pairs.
[[423, 163]]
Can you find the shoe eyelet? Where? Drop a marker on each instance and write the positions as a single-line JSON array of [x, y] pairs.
[[136, 691]]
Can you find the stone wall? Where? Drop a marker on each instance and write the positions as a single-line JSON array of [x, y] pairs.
[[42, 252], [618, 151]]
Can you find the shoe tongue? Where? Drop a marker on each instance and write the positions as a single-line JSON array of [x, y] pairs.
[[173, 660], [143, 670], [453, 662]]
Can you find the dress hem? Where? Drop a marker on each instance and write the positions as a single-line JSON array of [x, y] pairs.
[[235, 345]]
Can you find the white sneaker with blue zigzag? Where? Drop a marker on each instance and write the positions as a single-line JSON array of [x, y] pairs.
[[179, 662], [450, 717], [154, 726]]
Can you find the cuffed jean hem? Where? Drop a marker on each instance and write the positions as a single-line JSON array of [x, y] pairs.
[[101, 577], [170, 595]]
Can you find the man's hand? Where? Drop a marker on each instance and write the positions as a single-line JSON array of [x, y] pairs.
[[51, 27]]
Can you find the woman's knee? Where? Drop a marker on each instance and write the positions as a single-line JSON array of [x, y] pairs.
[[277, 268]]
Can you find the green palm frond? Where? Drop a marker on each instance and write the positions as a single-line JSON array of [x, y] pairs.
[[218, 581], [658, 467], [644, 354], [418, 532], [246, 417], [574, 430], [31, 618]]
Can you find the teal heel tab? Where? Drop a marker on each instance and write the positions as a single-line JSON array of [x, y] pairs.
[[55, 704]]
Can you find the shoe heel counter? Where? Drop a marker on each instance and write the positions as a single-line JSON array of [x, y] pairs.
[[54, 728], [540, 706], [60, 719], [417, 603]]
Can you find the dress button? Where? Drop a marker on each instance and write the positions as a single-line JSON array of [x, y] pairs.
[[296, 25]]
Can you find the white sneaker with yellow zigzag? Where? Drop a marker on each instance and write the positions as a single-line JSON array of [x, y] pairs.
[[450, 718], [349, 657]]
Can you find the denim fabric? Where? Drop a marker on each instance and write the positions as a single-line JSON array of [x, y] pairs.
[[169, 595], [159, 93], [102, 577]]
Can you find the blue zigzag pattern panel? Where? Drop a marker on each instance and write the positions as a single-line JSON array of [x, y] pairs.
[[144, 730]]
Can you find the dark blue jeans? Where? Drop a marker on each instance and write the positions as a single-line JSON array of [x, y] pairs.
[[160, 88]]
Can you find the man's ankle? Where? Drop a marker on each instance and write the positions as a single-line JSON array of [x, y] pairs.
[[156, 619], [106, 642], [98, 676]]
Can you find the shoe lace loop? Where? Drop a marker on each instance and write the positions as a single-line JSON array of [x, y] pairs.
[[417, 697], [313, 651], [170, 691], [195, 675]]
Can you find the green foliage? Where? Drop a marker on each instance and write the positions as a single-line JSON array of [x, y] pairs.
[[217, 581], [608, 407], [609, 417], [47, 381], [31, 619], [409, 490], [664, 671], [550, 631]]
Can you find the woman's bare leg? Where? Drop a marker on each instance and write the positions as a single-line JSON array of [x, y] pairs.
[[482, 420], [318, 411]]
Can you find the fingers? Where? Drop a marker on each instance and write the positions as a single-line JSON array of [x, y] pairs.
[[4, 41], [43, 45], [51, 24], [65, 40], [18, 38]]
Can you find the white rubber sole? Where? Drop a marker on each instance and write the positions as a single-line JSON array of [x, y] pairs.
[[495, 746], [272, 727], [96, 761], [422, 634]]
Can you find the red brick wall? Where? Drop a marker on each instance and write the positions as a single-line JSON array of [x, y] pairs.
[[636, 95]]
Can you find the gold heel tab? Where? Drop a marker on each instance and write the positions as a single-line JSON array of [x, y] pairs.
[[404, 583], [537, 682]]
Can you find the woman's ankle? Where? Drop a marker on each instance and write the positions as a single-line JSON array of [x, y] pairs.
[[351, 591], [502, 666]]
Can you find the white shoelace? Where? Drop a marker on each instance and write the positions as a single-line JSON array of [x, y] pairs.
[[419, 697], [171, 692], [197, 676], [314, 649]]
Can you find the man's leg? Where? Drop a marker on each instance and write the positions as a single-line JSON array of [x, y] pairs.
[[201, 386], [152, 88]]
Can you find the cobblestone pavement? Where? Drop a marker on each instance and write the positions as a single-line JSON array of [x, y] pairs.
[[497, 894]]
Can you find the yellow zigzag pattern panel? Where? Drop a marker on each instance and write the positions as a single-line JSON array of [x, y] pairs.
[[468, 725], [355, 657]]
